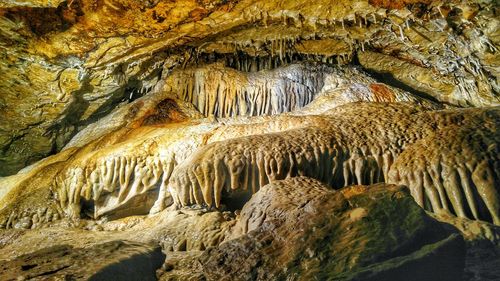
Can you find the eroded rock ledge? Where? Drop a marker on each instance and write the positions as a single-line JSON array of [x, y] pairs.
[[280, 237]]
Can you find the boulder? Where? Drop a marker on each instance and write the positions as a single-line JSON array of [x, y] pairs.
[[299, 229]]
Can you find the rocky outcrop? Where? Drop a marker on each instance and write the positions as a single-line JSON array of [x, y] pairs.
[[455, 169], [207, 163], [249, 139], [186, 230], [299, 228], [117, 260], [31, 3]]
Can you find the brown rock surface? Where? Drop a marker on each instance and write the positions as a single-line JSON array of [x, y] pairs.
[[116, 260], [300, 229]]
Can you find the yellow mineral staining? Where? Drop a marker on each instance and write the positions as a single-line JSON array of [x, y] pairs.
[[139, 169], [30, 3], [188, 101], [325, 47], [266, 125], [224, 92], [69, 63]]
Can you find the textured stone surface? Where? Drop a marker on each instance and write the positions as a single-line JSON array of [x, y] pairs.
[[190, 125], [300, 229], [142, 169], [174, 231], [70, 63], [342, 149], [116, 260]]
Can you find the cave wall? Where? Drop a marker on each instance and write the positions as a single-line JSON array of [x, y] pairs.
[[69, 63], [249, 139]]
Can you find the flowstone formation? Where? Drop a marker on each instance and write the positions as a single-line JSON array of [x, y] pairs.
[[249, 140]]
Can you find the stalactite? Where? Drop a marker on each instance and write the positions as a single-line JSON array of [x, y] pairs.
[[252, 94], [340, 158], [401, 33], [258, 160], [325, 153], [111, 182], [453, 166]]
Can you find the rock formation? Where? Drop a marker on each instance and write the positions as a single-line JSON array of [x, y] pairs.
[[299, 228], [249, 139], [115, 260]]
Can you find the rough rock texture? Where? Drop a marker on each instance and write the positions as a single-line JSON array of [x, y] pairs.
[[437, 165], [69, 63], [184, 230], [191, 125], [338, 156], [125, 172], [30, 3], [116, 260], [299, 229]]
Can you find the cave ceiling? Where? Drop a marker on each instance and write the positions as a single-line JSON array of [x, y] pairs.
[[65, 64]]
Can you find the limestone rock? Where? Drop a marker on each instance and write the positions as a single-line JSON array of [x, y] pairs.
[[341, 149], [192, 125], [300, 229], [30, 3], [174, 231], [69, 63], [417, 168], [115, 260], [145, 167]]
